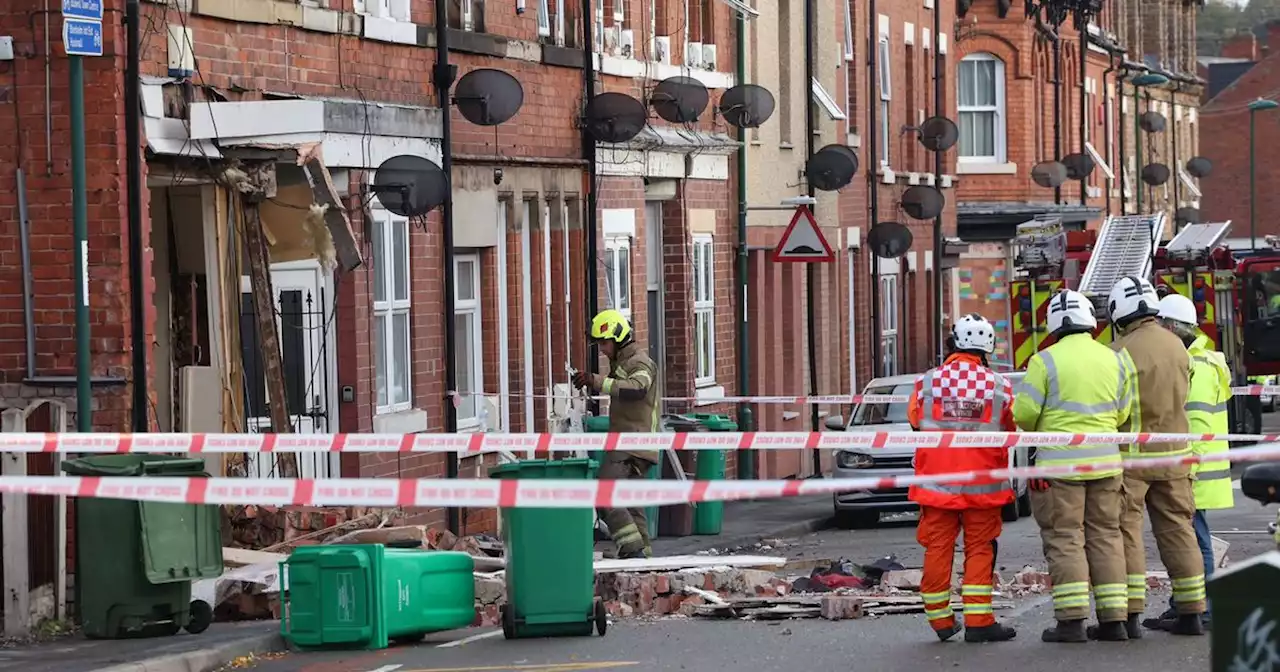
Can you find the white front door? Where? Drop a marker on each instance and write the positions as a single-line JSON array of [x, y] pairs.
[[304, 311]]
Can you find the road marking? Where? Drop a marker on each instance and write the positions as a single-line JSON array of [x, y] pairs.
[[553, 667], [387, 668], [472, 638]]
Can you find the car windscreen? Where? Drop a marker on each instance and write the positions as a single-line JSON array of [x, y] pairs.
[[880, 414]]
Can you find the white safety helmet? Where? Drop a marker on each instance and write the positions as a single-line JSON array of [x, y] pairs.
[[1179, 315], [974, 332], [1132, 298], [1071, 312]]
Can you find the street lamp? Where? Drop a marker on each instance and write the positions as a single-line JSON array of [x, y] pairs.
[[1141, 82], [1255, 107]]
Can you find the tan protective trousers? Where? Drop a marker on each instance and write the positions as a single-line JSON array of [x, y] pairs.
[[628, 527], [1172, 505], [1080, 527]]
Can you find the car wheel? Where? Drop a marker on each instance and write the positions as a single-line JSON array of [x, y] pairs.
[[1024, 503], [1009, 512], [855, 520]]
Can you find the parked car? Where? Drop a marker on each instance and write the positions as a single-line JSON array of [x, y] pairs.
[[862, 508]]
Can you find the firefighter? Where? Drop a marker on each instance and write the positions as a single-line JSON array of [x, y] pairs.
[[1163, 375], [1078, 385], [962, 395], [632, 386], [1206, 414]]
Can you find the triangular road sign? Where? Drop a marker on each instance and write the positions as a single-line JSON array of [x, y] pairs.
[[803, 240]]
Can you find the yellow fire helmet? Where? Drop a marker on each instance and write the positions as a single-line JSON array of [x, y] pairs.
[[610, 325]]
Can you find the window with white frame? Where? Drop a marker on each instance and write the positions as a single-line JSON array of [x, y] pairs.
[[468, 344], [889, 324], [704, 308], [466, 14], [981, 107], [544, 18], [848, 29], [389, 240], [393, 10], [617, 268], [886, 95]]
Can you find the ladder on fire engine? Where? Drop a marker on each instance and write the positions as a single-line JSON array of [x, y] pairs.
[[1125, 246], [1195, 241]]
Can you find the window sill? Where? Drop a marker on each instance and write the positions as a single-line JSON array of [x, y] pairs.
[[708, 394], [408, 421], [786, 145], [468, 425], [986, 168]]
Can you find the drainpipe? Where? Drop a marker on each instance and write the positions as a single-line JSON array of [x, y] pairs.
[[938, 94], [133, 187], [1051, 35], [1121, 132], [1110, 125], [746, 423], [589, 153], [873, 180], [810, 269], [443, 76], [1084, 108], [1173, 165]]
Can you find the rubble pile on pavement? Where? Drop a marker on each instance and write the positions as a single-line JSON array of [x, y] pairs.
[[1034, 581]]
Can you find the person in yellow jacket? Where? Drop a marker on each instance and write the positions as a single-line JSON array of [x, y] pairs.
[[1163, 378], [632, 387], [1078, 385], [1207, 414]]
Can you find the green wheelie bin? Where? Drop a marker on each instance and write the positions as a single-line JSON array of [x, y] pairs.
[[135, 561], [550, 557], [708, 517]]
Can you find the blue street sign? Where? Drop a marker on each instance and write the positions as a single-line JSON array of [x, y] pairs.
[[82, 38], [82, 9]]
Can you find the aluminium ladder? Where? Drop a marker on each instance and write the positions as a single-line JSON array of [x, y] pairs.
[[1125, 246]]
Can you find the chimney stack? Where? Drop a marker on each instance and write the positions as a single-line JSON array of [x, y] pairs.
[[1245, 45]]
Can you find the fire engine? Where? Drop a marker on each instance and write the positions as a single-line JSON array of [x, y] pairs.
[[1237, 295]]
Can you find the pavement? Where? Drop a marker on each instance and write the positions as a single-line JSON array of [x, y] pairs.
[[183, 652]]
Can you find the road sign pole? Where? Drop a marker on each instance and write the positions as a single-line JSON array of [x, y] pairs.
[[80, 228]]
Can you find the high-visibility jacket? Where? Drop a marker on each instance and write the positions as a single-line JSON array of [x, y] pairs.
[[1207, 414], [1160, 396], [961, 395], [1081, 386]]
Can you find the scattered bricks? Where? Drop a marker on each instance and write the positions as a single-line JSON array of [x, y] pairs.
[[903, 579], [487, 616], [619, 609], [781, 586], [689, 605], [470, 546], [751, 581], [725, 579], [1034, 579], [490, 590], [665, 604], [841, 607], [662, 584], [644, 601], [440, 539], [708, 581]]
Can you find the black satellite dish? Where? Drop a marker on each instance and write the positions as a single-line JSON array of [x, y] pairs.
[[615, 117], [831, 167], [962, 8], [1155, 174], [488, 97], [410, 186], [889, 240], [1078, 166], [679, 100], [1151, 122], [1049, 174], [1187, 215], [938, 134], [923, 202], [1003, 7], [746, 106], [1199, 166]]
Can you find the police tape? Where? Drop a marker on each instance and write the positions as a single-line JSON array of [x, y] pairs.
[[536, 493], [820, 399], [480, 443]]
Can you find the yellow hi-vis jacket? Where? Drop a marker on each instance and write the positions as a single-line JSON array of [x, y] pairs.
[[1081, 386], [1207, 414]]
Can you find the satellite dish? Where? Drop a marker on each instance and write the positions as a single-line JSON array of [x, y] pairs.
[[938, 134], [1187, 215], [615, 117], [488, 97], [410, 186], [746, 106], [1151, 122], [1049, 174], [831, 167], [1003, 7], [923, 202], [962, 7], [1155, 174], [889, 240], [1199, 166], [679, 100], [1078, 166]]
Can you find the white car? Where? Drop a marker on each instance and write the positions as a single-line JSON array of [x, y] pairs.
[[862, 508]]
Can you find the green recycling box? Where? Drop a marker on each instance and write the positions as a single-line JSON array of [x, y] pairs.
[[550, 554], [366, 596], [155, 551], [1246, 620]]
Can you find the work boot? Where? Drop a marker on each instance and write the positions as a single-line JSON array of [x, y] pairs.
[[1065, 632], [995, 632], [1134, 626], [947, 633], [1160, 622], [631, 554], [1188, 624], [1112, 631]]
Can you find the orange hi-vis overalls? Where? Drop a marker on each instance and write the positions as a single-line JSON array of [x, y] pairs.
[[960, 395]]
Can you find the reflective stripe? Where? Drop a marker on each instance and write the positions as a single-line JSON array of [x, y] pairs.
[[1112, 603], [1076, 452], [939, 614], [607, 386], [1205, 407], [1105, 589], [1137, 585], [978, 609], [1054, 400], [1189, 596], [1071, 601], [975, 591], [1075, 588], [1214, 475], [1196, 581], [1025, 389], [934, 598], [629, 534], [1123, 394], [967, 488]]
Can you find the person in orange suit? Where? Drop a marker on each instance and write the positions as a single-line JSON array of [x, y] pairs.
[[962, 395]]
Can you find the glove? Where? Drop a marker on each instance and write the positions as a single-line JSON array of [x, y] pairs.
[[587, 380], [1038, 484]]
